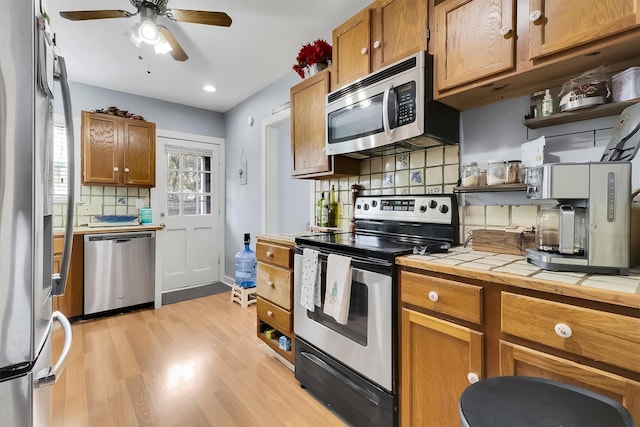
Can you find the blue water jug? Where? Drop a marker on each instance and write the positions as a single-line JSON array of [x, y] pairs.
[[246, 265]]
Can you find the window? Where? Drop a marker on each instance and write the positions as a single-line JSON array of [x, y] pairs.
[[60, 169], [188, 183]]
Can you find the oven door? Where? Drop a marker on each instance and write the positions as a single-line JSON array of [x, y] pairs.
[[364, 344]]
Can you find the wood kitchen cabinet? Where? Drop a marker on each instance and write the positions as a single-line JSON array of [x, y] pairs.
[[308, 121], [462, 55], [454, 329], [557, 25], [71, 303], [118, 151], [438, 357], [383, 33], [274, 289], [489, 50]]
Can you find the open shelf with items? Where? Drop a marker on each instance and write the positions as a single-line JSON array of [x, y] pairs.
[[274, 343], [490, 188], [604, 110]]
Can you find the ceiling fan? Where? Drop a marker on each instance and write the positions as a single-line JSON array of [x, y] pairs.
[[148, 30]]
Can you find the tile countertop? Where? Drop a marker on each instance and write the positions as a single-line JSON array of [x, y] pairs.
[[113, 229], [513, 270], [288, 239]]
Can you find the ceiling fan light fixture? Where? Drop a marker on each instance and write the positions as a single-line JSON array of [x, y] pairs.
[[162, 47], [132, 35], [148, 32]]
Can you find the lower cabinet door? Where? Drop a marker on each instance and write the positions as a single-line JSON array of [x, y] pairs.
[[439, 359], [523, 361]]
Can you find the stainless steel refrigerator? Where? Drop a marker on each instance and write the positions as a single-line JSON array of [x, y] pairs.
[[28, 69]]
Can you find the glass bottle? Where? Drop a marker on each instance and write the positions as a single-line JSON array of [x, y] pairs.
[[333, 209], [319, 210]]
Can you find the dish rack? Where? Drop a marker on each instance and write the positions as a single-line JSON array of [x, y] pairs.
[[115, 221]]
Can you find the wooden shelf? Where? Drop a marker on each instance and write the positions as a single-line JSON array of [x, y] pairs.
[[490, 188], [603, 110]]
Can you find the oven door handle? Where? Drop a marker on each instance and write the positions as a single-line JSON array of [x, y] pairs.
[[339, 375], [358, 259]]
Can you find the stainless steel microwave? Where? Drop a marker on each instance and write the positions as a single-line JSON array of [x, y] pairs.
[[393, 104]]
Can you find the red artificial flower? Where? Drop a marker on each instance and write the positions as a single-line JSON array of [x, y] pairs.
[[317, 53]]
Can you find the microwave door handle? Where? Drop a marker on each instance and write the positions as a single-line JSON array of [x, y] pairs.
[[385, 113]]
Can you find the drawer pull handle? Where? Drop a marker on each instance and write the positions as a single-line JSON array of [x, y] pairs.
[[563, 330], [473, 377], [505, 30], [269, 254], [535, 15], [433, 296], [269, 313]]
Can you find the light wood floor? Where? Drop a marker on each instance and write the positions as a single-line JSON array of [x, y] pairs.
[[193, 363]]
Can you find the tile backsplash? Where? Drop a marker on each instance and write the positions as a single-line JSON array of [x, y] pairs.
[[429, 171], [102, 200]]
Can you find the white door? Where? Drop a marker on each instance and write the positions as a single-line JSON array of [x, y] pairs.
[[188, 199]]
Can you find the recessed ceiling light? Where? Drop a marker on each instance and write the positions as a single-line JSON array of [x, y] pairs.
[[209, 88]]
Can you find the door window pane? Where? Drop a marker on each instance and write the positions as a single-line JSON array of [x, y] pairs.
[[188, 184]]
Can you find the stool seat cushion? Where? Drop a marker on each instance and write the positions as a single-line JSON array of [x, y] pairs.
[[532, 402]]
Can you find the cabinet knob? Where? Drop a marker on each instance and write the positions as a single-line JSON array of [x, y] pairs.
[[505, 30], [377, 44], [364, 51], [563, 330], [269, 313], [535, 15], [269, 254], [433, 296], [271, 284], [126, 169], [473, 377], [116, 169]]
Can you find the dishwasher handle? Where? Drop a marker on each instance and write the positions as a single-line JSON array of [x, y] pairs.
[[121, 240]]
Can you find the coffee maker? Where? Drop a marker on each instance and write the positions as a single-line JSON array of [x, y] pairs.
[[586, 226]]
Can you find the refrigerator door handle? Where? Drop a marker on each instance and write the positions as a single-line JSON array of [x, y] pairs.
[[49, 376], [59, 280]]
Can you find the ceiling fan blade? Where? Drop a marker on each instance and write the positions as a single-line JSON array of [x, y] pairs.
[[82, 15], [177, 52], [199, 17]]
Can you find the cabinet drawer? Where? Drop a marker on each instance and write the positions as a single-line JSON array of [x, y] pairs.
[[274, 283], [443, 296], [598, 335], [274, 316], [58, 244], [274, 254]]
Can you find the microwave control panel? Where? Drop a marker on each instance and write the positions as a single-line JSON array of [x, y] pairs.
[[406, 101]]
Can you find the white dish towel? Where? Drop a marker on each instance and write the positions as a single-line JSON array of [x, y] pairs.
[[310, 292], [338, 294]]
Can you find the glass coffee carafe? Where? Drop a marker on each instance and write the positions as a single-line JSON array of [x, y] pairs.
[[561, 229]]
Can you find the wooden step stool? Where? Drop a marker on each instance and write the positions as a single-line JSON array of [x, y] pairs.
[[243, 296]]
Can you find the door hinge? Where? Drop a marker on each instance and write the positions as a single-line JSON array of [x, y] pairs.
[[428, 34], [218, 259]]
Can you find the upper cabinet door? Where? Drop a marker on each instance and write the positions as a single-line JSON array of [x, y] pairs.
[[351, 49], [399, 30], [556, 25], [101, 152], [473, 39], [139, 153]]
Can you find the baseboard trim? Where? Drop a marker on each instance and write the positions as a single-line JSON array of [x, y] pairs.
[[195, 292]]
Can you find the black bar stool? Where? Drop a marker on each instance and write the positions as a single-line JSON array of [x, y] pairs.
[[536, 402]]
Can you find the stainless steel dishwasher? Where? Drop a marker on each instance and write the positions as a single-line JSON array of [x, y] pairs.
[[119, 270]]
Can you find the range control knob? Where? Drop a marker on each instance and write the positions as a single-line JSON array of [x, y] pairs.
[[423, 208], [444, 209], [366, 206], [358, 207], [433, 204], [374, 203]]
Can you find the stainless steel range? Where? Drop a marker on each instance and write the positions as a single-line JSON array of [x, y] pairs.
[[351, 365]]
